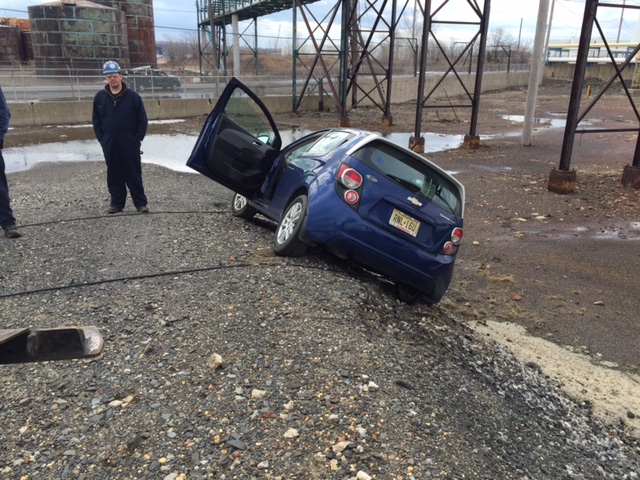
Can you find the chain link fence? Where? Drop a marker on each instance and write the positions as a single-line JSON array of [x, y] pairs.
[[21, 84]]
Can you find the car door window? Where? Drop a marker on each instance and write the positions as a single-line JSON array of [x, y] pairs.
[[295, 157], [239, 141], [247, 115], [300, 156]]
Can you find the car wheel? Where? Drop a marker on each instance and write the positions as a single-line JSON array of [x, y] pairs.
[[174, 86], [240, 207], [140, 88], [287, 242], [407, 294]]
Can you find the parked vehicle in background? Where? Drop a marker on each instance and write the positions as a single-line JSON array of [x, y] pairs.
[[352, 192], [146, 78]]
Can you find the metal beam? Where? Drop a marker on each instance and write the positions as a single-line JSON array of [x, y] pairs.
[[590, 11]]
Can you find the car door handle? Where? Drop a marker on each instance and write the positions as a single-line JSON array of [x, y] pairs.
[[257, 143]]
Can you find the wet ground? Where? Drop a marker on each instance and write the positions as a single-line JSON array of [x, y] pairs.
[[166, 150]]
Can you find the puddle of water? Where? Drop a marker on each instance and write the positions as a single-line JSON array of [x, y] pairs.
[[433, 142], [624, 233], [553, 122], [22, 158], [169, 151]]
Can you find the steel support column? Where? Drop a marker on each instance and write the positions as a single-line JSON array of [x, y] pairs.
[[473, 139], [387, 118], [294, 57], [344, 62], [590, 11], [416, 142]]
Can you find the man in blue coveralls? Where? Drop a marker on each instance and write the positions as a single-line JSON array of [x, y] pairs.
[[120, 124], [7, 220]]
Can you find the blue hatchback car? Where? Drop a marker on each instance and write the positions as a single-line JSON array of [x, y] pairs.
[[352, 192]]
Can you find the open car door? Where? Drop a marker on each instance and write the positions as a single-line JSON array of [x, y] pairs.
[[238, 142]]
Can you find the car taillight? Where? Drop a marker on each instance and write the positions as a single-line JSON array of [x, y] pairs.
[[456, 237], [349, 177], [448, 248], [351, 197]]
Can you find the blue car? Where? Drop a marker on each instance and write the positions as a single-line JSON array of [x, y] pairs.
[[352, 192]]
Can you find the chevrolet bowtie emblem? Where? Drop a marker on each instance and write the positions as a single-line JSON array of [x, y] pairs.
[[415, 201]]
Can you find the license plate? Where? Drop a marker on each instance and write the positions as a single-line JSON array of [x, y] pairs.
[[404, 223]]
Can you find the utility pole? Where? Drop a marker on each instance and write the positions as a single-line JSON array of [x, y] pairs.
[[519, 35], [548, 40], [537, 70], [624, 2]]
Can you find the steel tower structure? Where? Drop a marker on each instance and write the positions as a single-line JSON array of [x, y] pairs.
[[360, 67], [563, 180]]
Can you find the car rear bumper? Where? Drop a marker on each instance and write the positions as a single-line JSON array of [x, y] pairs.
[[339, 228]]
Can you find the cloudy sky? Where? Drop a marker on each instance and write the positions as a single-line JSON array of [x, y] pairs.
[[174, 18]]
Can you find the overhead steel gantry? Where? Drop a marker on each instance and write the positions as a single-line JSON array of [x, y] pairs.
[[563, 180], [360, 68], [215, 15]]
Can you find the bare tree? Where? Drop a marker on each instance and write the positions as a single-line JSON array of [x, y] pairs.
[[181, 51], [498, 37]]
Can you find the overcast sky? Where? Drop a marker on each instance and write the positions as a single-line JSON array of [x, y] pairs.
[[172, 18]]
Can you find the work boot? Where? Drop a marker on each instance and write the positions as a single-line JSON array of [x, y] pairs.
[[143, 209], [11, 232], [114, 209]]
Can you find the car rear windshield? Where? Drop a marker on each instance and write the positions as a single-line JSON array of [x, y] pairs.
[[416, 176]]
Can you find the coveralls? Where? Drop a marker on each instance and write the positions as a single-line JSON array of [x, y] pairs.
[[7, 220], [120, 124]]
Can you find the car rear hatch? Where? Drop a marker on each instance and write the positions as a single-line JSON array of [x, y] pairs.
[[407, 196]]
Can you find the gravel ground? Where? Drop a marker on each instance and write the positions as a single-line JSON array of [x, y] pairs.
[[324, 374]]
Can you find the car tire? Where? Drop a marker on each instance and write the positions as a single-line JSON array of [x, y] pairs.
[[407, 294], [140, 88], [174, 86], [287, 241], [240, 207]]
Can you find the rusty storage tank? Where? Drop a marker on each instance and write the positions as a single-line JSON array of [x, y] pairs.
[[77, 36], [140, 30], [11, 47]]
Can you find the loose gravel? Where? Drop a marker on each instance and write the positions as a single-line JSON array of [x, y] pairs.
[[223, 361]]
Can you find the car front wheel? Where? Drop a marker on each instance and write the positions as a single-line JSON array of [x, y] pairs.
[[140, 88], [287, 242], [240, 207], [174, 86]]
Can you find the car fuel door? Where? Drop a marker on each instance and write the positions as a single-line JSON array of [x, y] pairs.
[[238, 143]]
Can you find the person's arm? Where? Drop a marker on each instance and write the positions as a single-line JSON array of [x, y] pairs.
[[5, 115], [141, 127], [96, 120]]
